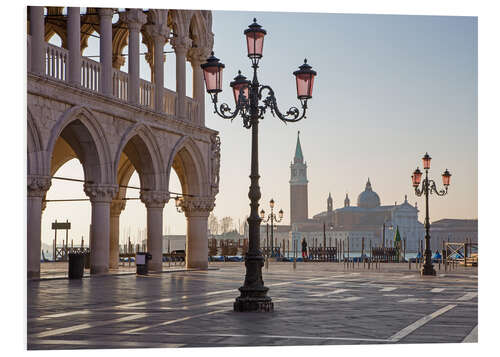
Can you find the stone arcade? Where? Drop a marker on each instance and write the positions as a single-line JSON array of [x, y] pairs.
[[115, 123]]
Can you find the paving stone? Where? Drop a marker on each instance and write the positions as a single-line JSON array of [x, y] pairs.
[[194, 309]]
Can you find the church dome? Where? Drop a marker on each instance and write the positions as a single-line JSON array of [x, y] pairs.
[[368, 198]]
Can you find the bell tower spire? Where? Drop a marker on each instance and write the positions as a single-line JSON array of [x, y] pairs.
[[298, 186], [299, 157]]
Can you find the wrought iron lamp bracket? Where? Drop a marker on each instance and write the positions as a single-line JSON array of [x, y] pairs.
[[292, 115], [430, 185], [433, 189], [224, 108], [271, 217]]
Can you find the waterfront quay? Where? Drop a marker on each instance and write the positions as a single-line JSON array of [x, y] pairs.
[[314, 304]]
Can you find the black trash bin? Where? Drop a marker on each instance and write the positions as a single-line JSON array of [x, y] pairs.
[[141, 262], [75, 265]]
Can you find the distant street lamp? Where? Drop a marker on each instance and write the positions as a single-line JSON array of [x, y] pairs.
[[428, 186], [271, 218], [247, 95]]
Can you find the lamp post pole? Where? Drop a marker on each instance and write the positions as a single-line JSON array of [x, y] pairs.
[[251, 105], [272, 231], [428, 187]]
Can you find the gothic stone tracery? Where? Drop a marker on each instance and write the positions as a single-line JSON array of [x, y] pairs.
[[115, 123]]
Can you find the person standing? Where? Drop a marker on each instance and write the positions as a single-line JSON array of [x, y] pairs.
[[304, 248]]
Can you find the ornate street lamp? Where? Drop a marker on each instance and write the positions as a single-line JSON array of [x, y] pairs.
[[251, 105], [428, 187], [272, 218]]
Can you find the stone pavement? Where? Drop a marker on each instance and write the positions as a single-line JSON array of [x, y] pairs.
[[59, 270], [316, 304]]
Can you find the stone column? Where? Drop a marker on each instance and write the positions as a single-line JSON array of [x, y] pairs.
[[197, 211], [134, 18], [155, 201], [37, 30], [75, 58], [181, 46], [105, 50], [100, 198], [37, 187], [116, 208], [159, 33], [197, 57]]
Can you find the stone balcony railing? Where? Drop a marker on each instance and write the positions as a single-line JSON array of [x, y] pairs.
[[57, 68]]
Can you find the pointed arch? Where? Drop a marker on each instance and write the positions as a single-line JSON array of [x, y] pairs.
[[79, 127], [119, 42], [142, 149], [35, 150], [198, 31], [187, 161], [179, 20]]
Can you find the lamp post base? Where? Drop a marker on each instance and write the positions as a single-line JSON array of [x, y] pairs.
[[253, 300], [428, 270], [253, 297]]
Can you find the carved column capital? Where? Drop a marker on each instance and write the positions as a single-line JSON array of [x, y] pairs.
[[117, 206], [197, 55], [38, 185], [134, 18], [158, 32], [100, 193], [154, 199], [198, 206], [181, 44]]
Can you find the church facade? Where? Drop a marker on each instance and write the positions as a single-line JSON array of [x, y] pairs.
[[368, 221]]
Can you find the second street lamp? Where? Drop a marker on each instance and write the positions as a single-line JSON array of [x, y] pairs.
[[251, 105], [428, 187], [272, 218]]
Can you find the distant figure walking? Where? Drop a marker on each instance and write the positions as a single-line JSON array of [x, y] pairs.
[[304, 248]]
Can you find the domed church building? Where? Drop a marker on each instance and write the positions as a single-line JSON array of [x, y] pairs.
[[370, 216]]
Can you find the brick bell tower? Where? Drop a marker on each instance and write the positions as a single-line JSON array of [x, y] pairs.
[[298, 186]]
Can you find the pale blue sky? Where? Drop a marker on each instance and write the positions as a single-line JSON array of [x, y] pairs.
[[388, 89]]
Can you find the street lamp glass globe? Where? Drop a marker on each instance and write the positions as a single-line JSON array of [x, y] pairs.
[[426, 161], [240, 83], [212, 72], [271, 203], [416, 177], [255, 40], [262, 213], [280, 213], [305, 81], [446, 178]]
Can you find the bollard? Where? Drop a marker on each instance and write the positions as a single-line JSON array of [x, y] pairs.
[[409, 264], [294, 264], [267, 263]]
